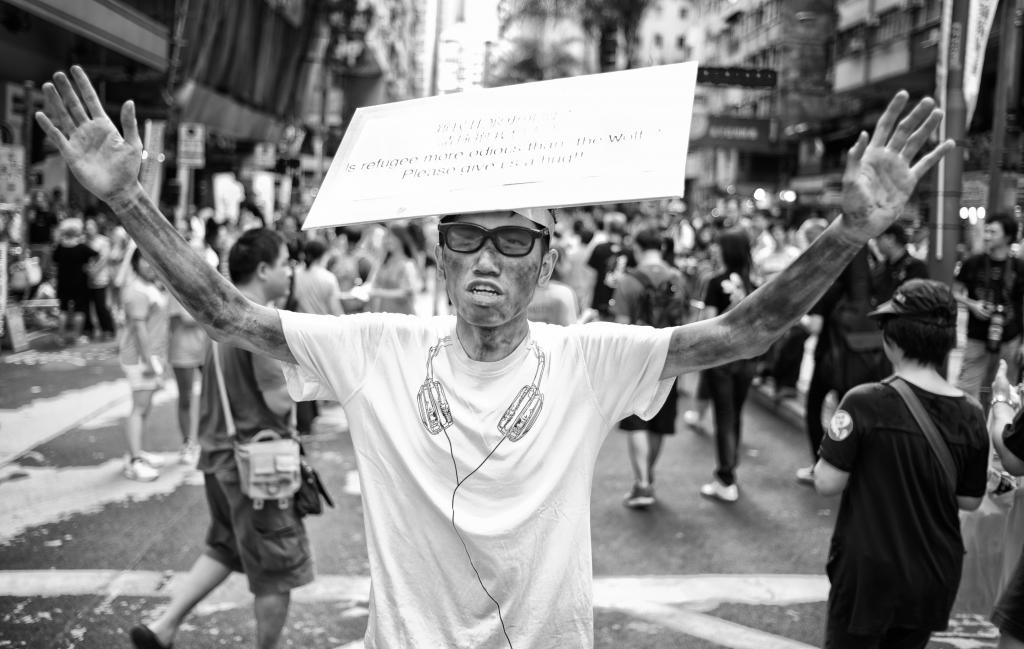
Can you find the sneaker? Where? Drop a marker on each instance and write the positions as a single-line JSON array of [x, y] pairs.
[[805, 475], [189, 454], [725, 493], [152, 459], [693, 419], [143, 638], [639, 497], [138, 469]]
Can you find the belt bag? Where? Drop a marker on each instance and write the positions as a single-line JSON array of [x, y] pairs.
[[268, 464], [268, 468]]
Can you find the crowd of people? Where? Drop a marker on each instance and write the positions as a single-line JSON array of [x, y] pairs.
[[723, 295]]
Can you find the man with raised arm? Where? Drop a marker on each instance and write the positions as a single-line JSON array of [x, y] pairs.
[[477, 434]]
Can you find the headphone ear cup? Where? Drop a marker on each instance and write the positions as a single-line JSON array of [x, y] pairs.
[[432, 404], [522, 413]]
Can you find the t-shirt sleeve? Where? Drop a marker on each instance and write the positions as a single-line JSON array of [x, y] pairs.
[[624, 364], [973, 480], [136, 304], [332, 353], [840, 445], [1013, 435], [268, 373]]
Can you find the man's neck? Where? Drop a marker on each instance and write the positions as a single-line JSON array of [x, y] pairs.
[[491, 344], [254, 292], [897, 254], [1000, 253], [649, 257]]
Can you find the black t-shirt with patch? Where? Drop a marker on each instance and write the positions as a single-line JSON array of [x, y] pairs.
[[998, 282], [896, 552]]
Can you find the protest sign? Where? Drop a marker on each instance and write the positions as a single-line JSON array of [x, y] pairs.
[[617, 136]]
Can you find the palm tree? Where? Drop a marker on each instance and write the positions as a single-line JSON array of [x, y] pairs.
[[535, 56], [603, 19]]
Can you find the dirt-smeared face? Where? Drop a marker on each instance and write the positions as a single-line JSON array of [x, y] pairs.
[[488, 288]]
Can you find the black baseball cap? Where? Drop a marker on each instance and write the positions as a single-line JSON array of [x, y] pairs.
[[924, 300]]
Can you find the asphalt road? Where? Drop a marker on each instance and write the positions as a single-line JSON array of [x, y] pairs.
[[84, 553]]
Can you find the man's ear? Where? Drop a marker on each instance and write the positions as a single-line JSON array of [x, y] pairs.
[[547, 266], [439, 258]]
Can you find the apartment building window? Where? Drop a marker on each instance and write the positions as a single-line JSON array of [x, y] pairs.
[[892, 25], [684, 13], [681, 43], [927, 12], [658, 41], [850, 42]]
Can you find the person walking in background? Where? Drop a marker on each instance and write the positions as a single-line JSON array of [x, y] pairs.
[[72, 258], [187, 351], [896, 555], [991, 286], [896, 265], [315, 290], [651, 294], [99, 280], [1006, 432], [728, 384], [555, 302], [394, 283], [142, 351]]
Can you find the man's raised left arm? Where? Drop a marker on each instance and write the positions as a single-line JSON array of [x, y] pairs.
[[879, 178]]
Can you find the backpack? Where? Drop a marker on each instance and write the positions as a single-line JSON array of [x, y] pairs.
[[662, 303]]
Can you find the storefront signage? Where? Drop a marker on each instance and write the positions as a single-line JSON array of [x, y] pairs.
[[617, 136], [731, 132], [12, 173], [192, 144]]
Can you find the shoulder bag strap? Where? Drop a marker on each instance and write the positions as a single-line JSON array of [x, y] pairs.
[[927, 425], [225, 406]]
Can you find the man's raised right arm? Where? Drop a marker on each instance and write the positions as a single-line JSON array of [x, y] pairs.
[[107, 164]]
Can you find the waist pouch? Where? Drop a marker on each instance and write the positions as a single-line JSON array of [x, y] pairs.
[[268, 468]]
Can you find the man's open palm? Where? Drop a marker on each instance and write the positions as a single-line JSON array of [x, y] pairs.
[[103, 162], [881, 173]]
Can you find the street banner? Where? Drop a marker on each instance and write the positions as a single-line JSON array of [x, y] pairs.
[[151, 175], [12, 173], [979, 24], [617, 136]]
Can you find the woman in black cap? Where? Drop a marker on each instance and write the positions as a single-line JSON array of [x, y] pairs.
[[906, 454]]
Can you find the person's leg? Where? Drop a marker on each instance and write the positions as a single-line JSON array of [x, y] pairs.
[[271, 613], [720, 388], [816, 392], [185, 378], [639, 451], [206, 574], [742, 378], [972, 368], [142, 400], [103, 315], [653, 451]]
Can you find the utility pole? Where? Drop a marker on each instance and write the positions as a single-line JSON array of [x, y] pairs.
[[945, 233], [1004, 134]]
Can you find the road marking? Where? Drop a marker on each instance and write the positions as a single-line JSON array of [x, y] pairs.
[[33, 496], [665, 600]]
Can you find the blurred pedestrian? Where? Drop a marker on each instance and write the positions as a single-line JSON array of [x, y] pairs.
[[896, 265], [42, 226], [72, 258], [269, 545], [187, 350], [896, 555], [728, 384], [1006, 431], [555, 302], [395, 282], [991, 286], [99, 280], [651, 294], [143, 356]]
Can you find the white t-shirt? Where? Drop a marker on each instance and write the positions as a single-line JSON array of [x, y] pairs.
[[524, 515]]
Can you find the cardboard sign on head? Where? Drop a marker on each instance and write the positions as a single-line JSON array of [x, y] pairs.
[[535, 145]]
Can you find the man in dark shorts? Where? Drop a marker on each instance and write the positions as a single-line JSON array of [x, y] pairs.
[[896, 554], [1006, 430], [629, 306], [269, 544]]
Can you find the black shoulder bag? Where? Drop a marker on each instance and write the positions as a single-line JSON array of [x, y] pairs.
[[927, 425]]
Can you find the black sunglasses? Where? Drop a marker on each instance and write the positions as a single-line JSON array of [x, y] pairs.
[[510, 240]]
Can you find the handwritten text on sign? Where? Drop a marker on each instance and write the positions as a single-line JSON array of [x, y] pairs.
[[611, 137]]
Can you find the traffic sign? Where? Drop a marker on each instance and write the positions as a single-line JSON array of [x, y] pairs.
[[192, 144]]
